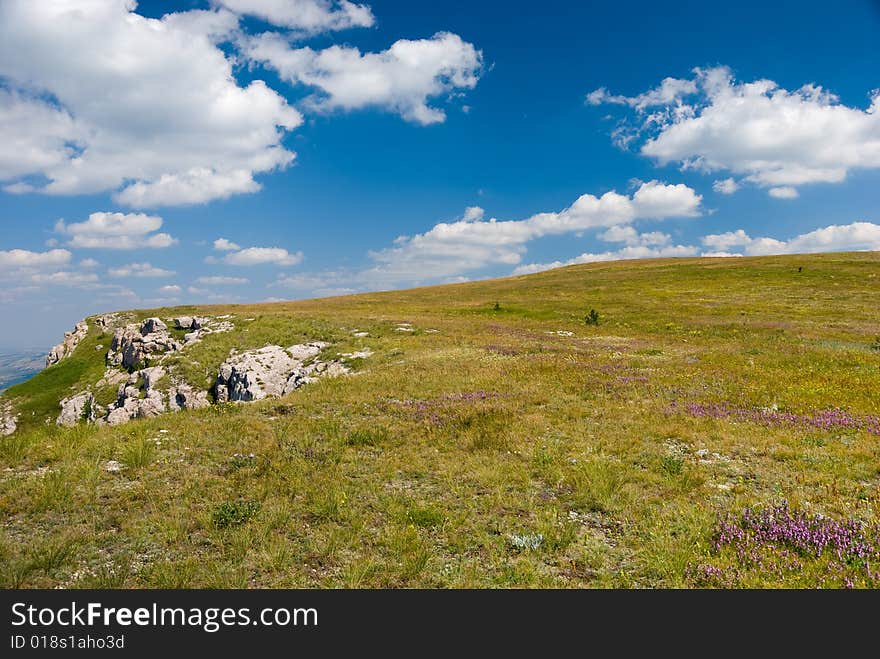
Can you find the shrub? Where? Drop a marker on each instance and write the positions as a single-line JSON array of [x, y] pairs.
[[592, 318], [234, 513], [366, 437]]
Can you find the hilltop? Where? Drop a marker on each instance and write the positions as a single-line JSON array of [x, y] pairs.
[[712, 422]]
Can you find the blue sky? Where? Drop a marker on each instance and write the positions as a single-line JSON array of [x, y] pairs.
[[340, 147]]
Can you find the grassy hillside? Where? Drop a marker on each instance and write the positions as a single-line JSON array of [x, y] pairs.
[[718, 427]]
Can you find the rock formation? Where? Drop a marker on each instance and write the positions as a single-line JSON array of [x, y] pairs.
[[129, 402], [133, 347], [7, 419], [68, 345], [184, 397], [77, 408], [271, 372]]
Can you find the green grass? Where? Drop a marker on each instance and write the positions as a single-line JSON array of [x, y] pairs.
[[488, 422]]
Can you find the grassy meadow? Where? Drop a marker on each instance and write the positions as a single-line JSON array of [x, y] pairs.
[[718, 425]]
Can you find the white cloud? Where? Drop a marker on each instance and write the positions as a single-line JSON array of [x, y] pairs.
[[858, 236], [223, 245], [629, 252], [784, 192], [473, 214], [670, 91], [450, 249], [659, 201], [65, 278], [22, 258], [724, 241], [139, 270], [196, 186], [145, 107], [116, 231], [89, 263], [402, 79], [719, 255], [632, 238], [171, 289], [775, 138], [262, 255], [217, 280], [725, 186], [309, 16]]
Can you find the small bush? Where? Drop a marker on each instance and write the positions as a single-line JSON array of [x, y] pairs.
[[425, 517], [671, 465], [876, 345], [138, 453], [366, 437], [234, 513], [592, 318]]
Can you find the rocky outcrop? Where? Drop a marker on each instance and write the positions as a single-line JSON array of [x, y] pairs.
[[190, 322], [136, 346], [77, 408], [184, 397], [130, 404], [8, 419], [200, 327], [271, 372], [68, 345]]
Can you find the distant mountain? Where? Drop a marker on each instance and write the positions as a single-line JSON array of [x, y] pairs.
[[19, 366]]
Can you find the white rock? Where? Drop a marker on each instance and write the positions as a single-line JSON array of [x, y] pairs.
[[8, 419], [113, 467], [152, 376], [77, 408], [68, 345], [269, 372], [184, 397]]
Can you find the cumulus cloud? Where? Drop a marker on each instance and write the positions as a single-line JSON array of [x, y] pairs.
[[64, 278], [310, 16], [724, 241], [89, 263], [99, 98], [783, 192], [670, 91], [725, 186], [402, 79], [218, 280], [23, 258], [116, 231], [223, 245], [450, 249], [473, 214], [171, 289], [263, 255], [775, 138], [139, 270], [628, 252], [858, 236]]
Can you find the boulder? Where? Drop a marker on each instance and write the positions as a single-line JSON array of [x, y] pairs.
[[151, 376], [68, 345], [77, 408], [8, 420], [269, 372], [184, 397], [153, 325], [190, 322], [133, 346], [129, 404]]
